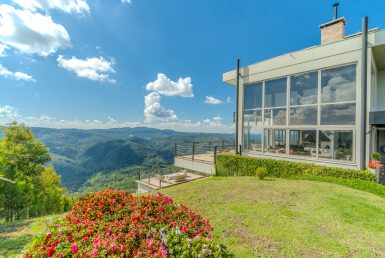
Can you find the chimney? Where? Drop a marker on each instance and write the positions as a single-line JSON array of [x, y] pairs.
[[334, 30]]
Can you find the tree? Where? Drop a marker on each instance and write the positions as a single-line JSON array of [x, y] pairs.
[[22, 160]]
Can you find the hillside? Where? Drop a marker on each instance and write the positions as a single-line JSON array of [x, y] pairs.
[[79, 154], [288, 218]]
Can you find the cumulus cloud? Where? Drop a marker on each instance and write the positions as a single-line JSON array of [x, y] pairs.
[[96, 69], [154, 111], [2, 50], [31, 32], [165, 86], [68, 6], [126, 1], [213, 101], [15, 75], [9, 114], [228, 100]]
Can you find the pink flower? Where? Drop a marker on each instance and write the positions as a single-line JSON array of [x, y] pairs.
[[184, 229], [60, 255], [112, 247], [95, 251], [74, 248], [123, 248]]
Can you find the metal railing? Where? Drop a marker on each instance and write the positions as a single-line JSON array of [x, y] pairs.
[[204, 152], [152, 176]]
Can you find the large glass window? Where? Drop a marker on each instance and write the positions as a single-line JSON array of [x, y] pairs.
[[304, 89], [338, 87], [252, 139], [253, 96], [275, 141], [304, 99], [336, 145], [275, 93], [303, 115], [275, 102], [303, 143], [338, 114]]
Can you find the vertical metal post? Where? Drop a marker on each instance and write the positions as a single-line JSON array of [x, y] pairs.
[[237, 108], [335, 11], [215, 154], [209, 145], [364, 76], [175, 146], [240, 150], [139, 176], [193, 151]]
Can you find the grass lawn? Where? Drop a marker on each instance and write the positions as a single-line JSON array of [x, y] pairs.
[[14, 236], [291, 218]]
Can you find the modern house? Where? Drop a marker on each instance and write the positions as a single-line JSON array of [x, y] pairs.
[[323, 104]]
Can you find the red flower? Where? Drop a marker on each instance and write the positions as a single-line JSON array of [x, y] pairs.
[[74, 248], [48, 236], [100, 215], [101, 202], [51, 251]]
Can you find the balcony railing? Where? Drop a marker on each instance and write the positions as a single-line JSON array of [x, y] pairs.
[[204, 152]]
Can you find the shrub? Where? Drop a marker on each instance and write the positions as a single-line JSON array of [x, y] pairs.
[[235, 165], [376, 155], [115, 223], [261, 172]]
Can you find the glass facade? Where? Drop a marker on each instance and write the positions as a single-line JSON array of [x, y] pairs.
[[298, 115]]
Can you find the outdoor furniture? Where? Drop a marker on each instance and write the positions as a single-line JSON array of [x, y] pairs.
[[179, 177]]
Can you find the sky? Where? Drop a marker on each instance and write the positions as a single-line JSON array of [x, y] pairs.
[[154, 63]]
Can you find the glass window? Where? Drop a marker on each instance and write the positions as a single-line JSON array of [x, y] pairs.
[[336, 145], [306, 115], [338, 114], [252, 138], [303, 143], [275, 116], [339, 84], [304, 89], [252, 118], [275, 93], [275, 141], [253, 96]]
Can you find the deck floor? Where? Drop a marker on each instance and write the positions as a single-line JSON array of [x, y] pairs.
[[155, 183]]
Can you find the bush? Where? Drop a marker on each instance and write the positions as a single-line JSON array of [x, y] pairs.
[[376, 155], [115, 223], [261, 172], [235, 165]]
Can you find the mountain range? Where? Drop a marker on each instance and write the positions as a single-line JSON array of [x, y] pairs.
[[78, 155]]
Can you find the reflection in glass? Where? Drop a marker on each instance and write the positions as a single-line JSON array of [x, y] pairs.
[[275, 116], [338, 114], [252, 117], [275, 141], [336, 145], [306, 115], [303, 143], [304, 89], [253, 96], [338, 84], [252, 139], [275, 93]]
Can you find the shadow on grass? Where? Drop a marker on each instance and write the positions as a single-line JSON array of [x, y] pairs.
[[14, 226], [14, 246]]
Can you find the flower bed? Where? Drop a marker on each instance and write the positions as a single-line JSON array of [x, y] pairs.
[[115, 223]]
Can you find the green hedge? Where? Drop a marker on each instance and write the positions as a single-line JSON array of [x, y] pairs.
[[235, 165]]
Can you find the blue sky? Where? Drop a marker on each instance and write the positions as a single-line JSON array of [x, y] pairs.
[[91, 63]]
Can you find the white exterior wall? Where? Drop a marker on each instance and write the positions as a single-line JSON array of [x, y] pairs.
[[340, 53], [381, 90]]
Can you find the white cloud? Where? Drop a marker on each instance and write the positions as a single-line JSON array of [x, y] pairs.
[[126, 1], [9, 114], [213, 101], [165, 86], [15, 75], [228, 100], [96, 69], [31, 32], [154, 111], [2, 50], [68, 6]]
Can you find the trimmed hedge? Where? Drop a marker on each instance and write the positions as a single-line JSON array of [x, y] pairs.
[[235, 165]]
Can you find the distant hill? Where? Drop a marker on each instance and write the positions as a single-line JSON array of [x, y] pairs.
[[79, 154]]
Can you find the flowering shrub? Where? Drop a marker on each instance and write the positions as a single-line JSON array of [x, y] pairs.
[[374, 164], [115, 223]]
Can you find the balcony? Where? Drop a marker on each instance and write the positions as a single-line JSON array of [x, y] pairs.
[[201, 157]]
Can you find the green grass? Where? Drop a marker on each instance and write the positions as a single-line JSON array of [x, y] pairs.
[[14, 236], [290, 218]]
